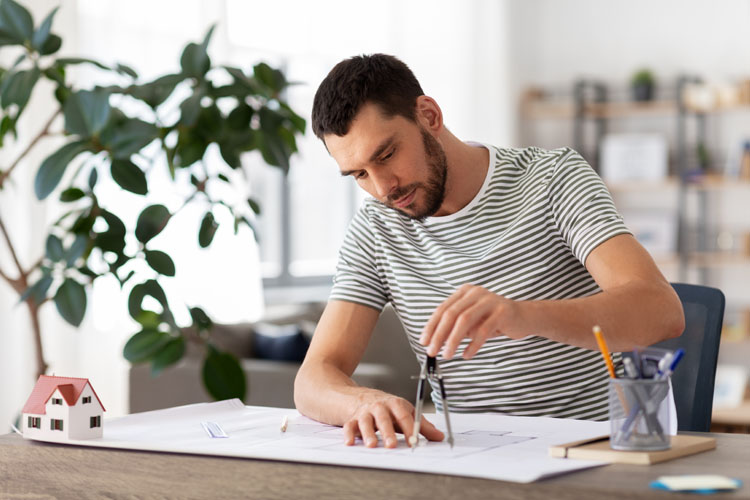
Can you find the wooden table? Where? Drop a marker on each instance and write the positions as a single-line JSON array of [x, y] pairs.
[[30, 470]]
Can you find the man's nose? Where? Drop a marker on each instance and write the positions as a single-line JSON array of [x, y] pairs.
[[384, 183]]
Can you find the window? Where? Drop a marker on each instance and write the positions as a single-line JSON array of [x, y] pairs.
[[57, 401], [56, 424], [35, 423], [95, 421], [86, 399]]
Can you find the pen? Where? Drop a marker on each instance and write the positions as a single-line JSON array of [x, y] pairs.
[[630, 369], [677, 356], [605, 351]]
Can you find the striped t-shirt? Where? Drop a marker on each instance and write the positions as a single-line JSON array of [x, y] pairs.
[[525, 236]]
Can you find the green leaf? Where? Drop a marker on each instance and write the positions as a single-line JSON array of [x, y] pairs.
[[17, 87], [149, 319], [113, 239], [129, 177], [71, 194], [169, 354], [223, 375], [51, 46], [93, 176], [254, 206], [125, 136], [144, 344], [194, 60], [41, 35], [84, 223], [6, 39], [151, 222], [274, 150], [86, 112], [160, 262], [15, 22], [270, 77], [150, 288], [156, 92], [70, 300], [297, 121], [54, 248], [88, 272], [7, 124], [239, 118], [201, 321], [52, 169], [76, 250], [190, 108], [126, 70], [38, 290], [243, 85], [207, 230], [65, 61], [190, 148]]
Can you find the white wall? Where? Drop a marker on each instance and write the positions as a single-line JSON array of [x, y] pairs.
[[558, 41]]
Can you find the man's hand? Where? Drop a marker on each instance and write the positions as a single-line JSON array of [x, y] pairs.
[[388, 414], [471, 312]]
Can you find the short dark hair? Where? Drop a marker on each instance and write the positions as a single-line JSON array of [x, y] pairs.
[[377, 78]]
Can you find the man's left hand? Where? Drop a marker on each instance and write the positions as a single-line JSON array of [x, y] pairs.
[[471, 312]]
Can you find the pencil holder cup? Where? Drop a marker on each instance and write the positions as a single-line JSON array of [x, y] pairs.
[[639, 414]]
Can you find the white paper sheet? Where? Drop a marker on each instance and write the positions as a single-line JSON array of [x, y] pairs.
[[486, 445]]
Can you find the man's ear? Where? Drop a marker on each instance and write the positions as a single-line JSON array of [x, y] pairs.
[[429, 114]]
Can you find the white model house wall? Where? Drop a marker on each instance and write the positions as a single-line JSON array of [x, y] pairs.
[[76, 419]]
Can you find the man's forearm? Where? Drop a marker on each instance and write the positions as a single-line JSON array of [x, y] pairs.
[[638, 313], [324, 393]]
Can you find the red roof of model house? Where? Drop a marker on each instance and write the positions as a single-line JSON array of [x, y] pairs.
[[70, 388]]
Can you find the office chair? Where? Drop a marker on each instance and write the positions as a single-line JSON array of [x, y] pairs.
[[693, 379]]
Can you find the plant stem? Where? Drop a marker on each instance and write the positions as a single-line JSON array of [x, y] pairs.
[[45, 131], [41, 365], [21, 281], [20, 285]]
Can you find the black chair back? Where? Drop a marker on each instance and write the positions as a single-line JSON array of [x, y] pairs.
[[693, 379]]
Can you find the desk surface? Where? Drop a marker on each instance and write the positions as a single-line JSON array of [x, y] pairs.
[[41, 470]]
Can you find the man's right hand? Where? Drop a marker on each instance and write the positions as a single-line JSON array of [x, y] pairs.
[[388, 414]]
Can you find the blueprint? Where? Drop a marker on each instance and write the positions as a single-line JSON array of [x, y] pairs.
[[486, 445]]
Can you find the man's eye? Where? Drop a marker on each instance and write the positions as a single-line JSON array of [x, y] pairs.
[[388, 156], [360, 175]]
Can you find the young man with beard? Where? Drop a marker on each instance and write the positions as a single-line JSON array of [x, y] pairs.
[[497, 260]]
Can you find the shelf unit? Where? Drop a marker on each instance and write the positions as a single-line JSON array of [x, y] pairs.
[[592, 106]]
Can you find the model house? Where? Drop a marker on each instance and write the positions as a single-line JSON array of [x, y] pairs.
[[62, 408]]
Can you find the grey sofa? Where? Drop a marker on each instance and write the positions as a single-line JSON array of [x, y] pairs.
[[388, 364]]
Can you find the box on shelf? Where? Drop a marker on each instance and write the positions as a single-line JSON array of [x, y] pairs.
[[634, 157]]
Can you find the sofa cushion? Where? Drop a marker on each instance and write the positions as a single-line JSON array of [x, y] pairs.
[[279, 342]]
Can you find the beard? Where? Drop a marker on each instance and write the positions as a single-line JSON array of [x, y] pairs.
[[433, 188]]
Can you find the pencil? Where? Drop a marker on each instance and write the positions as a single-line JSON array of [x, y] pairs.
[[605, 351], [284, 423]]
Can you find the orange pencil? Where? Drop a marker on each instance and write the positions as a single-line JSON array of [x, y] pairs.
[[605, 351]]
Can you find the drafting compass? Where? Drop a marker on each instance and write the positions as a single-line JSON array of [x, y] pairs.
[[430, 369]]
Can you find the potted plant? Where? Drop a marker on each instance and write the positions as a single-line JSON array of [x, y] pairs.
[[235, 110], [642, 85]]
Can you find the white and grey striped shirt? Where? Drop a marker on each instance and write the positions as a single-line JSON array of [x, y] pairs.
[[525, 236]]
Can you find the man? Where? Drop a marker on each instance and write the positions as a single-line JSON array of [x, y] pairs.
[[499, 261]]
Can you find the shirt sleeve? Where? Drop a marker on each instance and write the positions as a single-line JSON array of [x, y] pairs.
[[357, 278], [582, 206]]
